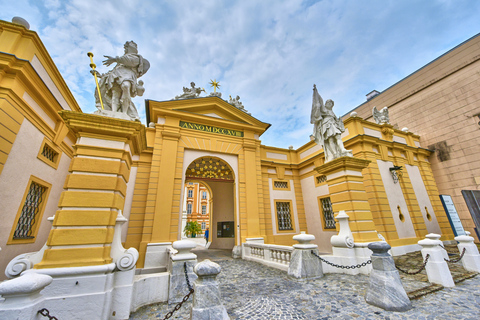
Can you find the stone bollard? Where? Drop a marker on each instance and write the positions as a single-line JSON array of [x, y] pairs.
[[385, 290], [303, 264], [436, 268], [436, 237], [207, 302], [22, 296], [471, 258], [178, 285]]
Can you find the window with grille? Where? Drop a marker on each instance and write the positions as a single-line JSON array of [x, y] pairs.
[[204, 225], [190, 193], [284, 217], [49, 154], [204, 209], [204, 195], [189, 208], [30, 212], [280, 184], [321, 179], [328, 219]]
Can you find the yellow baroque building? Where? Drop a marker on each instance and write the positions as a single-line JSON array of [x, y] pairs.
[[88, 170]]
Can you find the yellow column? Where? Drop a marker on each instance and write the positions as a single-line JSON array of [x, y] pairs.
[[347, 192], [161, 230], [251, 193], [95, 189]]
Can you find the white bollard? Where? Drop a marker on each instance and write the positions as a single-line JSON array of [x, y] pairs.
[[436, 237], [178, 284], [303, 264], [471, 258], [436, 268]]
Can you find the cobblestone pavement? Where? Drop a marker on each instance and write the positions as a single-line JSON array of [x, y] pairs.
[[253, 291]]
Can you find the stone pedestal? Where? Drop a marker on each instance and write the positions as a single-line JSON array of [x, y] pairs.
[[347, 193], [385, 290], [178, 284], [95, 190], [436, 237], [436, 268], [471, 258], [207, 301], [303, 264]]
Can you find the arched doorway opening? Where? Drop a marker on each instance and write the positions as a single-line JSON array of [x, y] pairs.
[[218, 179]]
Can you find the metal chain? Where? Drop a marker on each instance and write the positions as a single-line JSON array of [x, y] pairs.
[[418, 271], [446, 249], [456, 260], [44, 312], [342, 267], [179, 305]]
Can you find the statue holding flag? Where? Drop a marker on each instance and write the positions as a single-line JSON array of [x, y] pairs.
[[327, 128], [118, 86]]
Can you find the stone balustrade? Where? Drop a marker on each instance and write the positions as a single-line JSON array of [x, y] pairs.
[[271, 255]]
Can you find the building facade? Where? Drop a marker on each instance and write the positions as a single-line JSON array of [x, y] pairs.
[[89, 172], [441, 103]]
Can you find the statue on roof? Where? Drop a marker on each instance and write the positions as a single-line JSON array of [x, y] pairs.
[[236, 103], [189, 93], [381, 117], [118, 86], [327, 129]]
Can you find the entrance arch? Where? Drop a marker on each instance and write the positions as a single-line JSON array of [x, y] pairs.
[[217, 174]]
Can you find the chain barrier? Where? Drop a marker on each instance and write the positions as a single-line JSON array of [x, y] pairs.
[[447, 250], [419, 270], [459, 258], [44, 312], [179, 305], [342, 267]]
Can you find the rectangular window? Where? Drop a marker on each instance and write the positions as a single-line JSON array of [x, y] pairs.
[[284, 217], [190, 193], [204, 195], [204, 225], [189, 208], [320, 179], [280, 185], [204, 209], [31, 211], [49, 154], [327, 212]]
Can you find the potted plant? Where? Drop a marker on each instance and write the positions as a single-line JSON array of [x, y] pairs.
[[192, 228]]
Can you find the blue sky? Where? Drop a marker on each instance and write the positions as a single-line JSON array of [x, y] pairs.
[[270, 53]]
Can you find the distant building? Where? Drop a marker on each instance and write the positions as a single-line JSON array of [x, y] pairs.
[[197, 203], [441, 103]]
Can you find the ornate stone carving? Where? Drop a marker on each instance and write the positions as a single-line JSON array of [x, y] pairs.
[[327, 128], [236, 103], [119, 85], [381, 116], [190, 93]]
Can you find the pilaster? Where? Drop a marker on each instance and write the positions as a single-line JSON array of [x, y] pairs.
[[347, 193], [94, 191]]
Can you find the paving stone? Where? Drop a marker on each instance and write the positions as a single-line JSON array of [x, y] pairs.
[[253, 291]]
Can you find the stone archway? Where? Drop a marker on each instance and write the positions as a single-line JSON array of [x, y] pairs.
[[219, 178]]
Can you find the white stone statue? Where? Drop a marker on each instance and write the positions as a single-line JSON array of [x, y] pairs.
[[119, 85], [189, 93], [381, 117], [327, 128], [236, 103]]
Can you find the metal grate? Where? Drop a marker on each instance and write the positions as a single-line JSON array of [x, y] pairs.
[[321, 179], [30, 209], [283, 216], [280, 184], [328, 213], [49, 153]]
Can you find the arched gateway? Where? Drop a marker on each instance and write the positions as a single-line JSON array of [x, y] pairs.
[[218, 176], [182, 134]]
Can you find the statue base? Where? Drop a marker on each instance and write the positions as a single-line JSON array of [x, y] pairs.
[[114, 114]]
